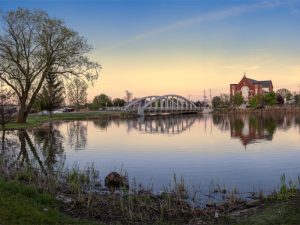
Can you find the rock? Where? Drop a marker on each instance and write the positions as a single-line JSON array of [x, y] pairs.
[[64, 199], [216, 215], [252, 203], [114, 180]]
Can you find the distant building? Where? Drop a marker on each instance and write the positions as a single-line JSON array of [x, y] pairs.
[[249, 87]]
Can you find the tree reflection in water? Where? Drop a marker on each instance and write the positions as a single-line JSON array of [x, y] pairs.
[[77, 134], [41, 149], [102, 124], [250, 128]]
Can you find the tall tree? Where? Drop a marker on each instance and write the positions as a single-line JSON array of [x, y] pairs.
[[119, 102], [31, 45], [77, 92], [52, 94], [216, 102], [128, 96], [6, 109], [101, 101], [285, 93]]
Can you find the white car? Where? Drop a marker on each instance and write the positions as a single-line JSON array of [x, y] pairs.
[[58, 111], [44, 112]]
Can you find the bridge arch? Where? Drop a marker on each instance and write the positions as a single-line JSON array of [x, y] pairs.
[[169, 102]]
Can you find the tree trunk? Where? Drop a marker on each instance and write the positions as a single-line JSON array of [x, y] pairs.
[[22, 115]]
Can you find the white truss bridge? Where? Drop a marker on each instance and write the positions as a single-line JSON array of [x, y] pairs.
[[159, 105]]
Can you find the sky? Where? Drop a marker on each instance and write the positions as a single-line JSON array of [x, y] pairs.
[[183, 47]]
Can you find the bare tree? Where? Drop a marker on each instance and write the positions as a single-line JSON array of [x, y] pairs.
[[6, 106], [77, 92], [31, 45], [128, 96]]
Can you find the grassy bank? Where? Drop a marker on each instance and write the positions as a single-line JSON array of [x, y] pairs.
[[21, 204], [35, 120], [280, 212]]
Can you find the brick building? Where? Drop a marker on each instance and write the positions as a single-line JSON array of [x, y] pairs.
[[249, 87]]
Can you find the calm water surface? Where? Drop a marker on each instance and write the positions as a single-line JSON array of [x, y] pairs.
[[246, 152]]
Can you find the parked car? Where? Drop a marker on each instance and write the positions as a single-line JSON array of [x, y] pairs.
[[44, 112], [68, 109], [58, 111]]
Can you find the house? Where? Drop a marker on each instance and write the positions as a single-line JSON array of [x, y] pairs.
[[250, 87]]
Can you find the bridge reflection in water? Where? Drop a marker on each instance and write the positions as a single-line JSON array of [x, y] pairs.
[[162, 125]]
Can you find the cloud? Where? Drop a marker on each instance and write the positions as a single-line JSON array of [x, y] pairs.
[[212, 16]]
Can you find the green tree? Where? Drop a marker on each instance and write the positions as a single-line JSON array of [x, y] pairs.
[[297, 99], [225, 100], [119, 102], [238, 99], [270, 98], [77, 92], [285, 93], [216, 102], [52, 94], [254, 102], [31, 45], [101, 101]]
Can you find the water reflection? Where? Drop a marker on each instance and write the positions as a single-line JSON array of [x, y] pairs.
[[162, 125], [200, 148], [77, 134], [38, 148], [50, 142], [250, 129], [253, 128]]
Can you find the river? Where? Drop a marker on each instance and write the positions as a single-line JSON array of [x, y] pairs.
[[245, 152]]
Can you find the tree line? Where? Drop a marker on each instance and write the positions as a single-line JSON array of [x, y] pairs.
[[280, 97]]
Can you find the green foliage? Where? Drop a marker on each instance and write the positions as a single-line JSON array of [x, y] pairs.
[[285, 93], [52, 94], [222, 101], [270, 99], [217, 102], [20, 204], [119, 102], [297, 100], [101, 101], [225, 100], [254, 102], [238, 99], [286, 191]]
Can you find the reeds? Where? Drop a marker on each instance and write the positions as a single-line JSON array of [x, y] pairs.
[[85, 195]]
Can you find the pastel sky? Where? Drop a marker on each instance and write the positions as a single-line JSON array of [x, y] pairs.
[[183, 47]]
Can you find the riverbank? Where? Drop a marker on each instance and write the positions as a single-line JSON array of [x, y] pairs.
[[264, 111], [25, 204], [36, 120]]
